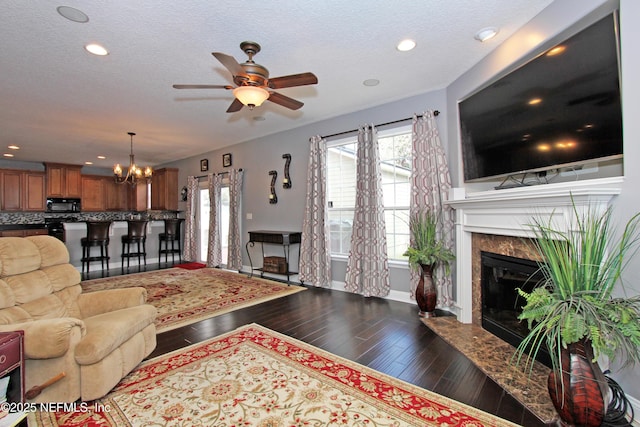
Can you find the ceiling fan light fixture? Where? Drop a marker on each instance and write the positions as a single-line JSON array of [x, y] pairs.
[[251, 96]]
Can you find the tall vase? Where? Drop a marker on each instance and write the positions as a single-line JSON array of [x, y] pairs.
[[581, 399], [426, 292]]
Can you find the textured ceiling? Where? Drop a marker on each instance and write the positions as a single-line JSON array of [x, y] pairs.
[[61, 104]]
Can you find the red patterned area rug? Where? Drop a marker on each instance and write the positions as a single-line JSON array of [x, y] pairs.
[[257, 377], [191, 265], [183, 296]]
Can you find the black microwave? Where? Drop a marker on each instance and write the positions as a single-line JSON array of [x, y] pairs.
[[63, 205]]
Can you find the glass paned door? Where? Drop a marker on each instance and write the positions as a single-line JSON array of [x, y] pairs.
[[204, 209]]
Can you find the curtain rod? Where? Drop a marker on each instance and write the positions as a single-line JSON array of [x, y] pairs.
[[435, 113], [219, 173]]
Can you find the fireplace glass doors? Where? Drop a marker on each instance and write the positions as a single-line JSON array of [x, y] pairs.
[[501, 276]]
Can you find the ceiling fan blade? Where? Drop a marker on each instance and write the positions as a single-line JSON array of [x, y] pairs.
[[236, 105], [230, 63], [202, 87], [285, 101], [293, 80]]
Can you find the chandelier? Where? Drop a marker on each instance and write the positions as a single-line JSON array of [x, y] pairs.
[[134, 173]]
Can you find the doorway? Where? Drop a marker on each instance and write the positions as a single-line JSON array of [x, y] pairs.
[[204, 210]]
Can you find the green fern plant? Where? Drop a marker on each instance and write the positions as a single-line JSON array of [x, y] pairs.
[[426, 248], [575, 301]]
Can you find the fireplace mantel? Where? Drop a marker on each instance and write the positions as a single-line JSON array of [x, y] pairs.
[[508, 212]]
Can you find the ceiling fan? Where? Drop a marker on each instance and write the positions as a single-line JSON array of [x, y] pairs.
[[253, 85]]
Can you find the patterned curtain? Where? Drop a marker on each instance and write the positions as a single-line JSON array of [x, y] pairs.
[[190, 250], [214, 249], [430, 186], [234, 260], [315, 249], [368, 267]]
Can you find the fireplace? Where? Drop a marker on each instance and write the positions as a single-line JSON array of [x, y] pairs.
[[507, 213], [501, 276]]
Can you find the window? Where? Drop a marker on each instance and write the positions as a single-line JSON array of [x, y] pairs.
[[395, 162]]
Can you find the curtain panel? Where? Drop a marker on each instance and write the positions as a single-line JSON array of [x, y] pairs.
[[214, 248], [234, 257], [315, 249], [368, 266], [190, 250], [430, 185]]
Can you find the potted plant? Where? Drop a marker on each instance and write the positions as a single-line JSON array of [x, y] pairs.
[[574, 313], [426, 252]]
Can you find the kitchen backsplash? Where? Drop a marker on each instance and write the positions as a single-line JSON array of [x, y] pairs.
[[39, 217]]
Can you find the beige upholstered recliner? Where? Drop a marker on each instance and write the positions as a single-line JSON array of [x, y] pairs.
[[95, 338]]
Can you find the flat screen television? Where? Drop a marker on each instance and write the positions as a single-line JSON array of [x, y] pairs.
[[560, 109]]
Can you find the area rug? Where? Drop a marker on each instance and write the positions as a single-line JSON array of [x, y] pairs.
[[191, 265], [257, 377], [183, 296]]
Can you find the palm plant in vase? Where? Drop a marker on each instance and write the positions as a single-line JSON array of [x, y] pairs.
[[574, 313], [426, 252]]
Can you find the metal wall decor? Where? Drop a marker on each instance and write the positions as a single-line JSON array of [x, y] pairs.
[[286, 181], [272, 195]]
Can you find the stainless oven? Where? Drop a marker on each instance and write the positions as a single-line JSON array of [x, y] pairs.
[[63, 205]]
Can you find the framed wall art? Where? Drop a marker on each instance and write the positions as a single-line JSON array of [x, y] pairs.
[[204, 165], [226, 160]]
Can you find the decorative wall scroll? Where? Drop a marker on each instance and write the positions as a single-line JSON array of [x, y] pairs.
[[272, 195], [286, 181]]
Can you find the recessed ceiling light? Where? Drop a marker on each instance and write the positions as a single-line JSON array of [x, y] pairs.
[[486, 33], [406, 45], [8, 155], [88, 163], [371, 82], [13, 147], [534, 101], [96, 49], [102, 157], [72, 14]]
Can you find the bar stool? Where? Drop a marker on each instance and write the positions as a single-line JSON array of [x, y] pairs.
[[97, 236], [136, 234], [171, 235]]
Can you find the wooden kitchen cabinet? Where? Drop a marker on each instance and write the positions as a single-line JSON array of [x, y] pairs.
[[116, 195], [164, 189], [34, 198], [24, 232], [93, 193], [22, 190], [63, 180]]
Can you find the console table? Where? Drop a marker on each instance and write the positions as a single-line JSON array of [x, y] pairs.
[[283, 238]]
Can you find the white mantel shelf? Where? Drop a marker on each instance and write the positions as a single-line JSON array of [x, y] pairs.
[[508, 212]]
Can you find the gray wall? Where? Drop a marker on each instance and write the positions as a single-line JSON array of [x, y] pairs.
[[555, 23], [257, 157]]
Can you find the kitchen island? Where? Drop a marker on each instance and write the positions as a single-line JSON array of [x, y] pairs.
[[74, 231]]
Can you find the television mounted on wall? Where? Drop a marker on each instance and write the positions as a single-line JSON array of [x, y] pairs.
[[560, 109]]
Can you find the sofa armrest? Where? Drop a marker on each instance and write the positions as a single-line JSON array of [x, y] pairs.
[[48, 338], [99, 302]]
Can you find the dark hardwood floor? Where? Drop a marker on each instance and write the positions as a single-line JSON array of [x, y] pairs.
[[381, 334]]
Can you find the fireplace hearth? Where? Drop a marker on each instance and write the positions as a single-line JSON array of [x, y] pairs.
[[501, 276]]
